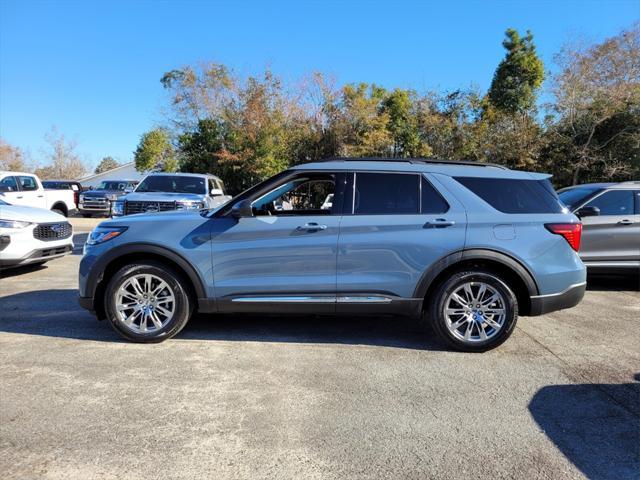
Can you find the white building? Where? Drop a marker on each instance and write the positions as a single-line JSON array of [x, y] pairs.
[[123, 172]]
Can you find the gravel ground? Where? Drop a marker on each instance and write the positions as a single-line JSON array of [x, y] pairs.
[[284, 397]]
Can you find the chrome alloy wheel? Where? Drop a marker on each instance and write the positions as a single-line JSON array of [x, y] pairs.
[[145, 303], [475, 312]]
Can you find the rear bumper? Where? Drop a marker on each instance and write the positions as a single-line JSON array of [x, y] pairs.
[[541, 304]]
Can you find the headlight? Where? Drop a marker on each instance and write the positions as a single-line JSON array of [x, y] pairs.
[[189, 205], [112, 197], [117, 208], [14, 224], [82, 198], [104, 234]]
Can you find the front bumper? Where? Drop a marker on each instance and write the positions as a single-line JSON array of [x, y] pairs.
[[21, 247], [542, 304], [35, 256]]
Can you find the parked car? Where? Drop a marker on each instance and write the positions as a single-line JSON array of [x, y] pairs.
[[32, 235], [76, 187], [466, 247], [610, 214], [99, 200], [17, 188], [162, 192]]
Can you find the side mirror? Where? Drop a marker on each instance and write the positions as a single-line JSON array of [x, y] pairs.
[[242, 209], [215, 192], [588, 212]]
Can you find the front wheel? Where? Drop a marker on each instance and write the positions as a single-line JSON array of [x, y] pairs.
[[147, 302], [473, 311]]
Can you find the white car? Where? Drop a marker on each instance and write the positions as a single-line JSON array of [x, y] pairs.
[[18, 188], [32, 235]]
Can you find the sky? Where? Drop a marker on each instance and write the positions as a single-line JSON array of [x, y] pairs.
[[92, 69]]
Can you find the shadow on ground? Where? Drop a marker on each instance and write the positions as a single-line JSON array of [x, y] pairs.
[[55, 313], [596, 426], [612, 282]]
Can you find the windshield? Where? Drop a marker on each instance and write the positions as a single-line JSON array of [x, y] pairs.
[[112, 185], [173, 184], [574, 196]]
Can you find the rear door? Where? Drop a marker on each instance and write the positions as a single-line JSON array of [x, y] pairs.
[[394, 227], [614, 234]]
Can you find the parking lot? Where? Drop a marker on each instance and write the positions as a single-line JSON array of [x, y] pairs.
[[291, 397]]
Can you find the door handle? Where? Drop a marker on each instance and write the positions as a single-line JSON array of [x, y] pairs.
[[439, 223], [310, 227], [626, 221], [40, 196], [19, 196]]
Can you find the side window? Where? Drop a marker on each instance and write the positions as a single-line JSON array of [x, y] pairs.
[[614, 202], [8, 184], [432, 201], [308, 194], [27, 183], [212, 185], [386, 193]]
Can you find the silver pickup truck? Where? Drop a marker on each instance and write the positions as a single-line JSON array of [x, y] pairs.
[[162, 192]]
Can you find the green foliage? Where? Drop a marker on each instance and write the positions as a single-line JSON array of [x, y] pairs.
[[518, 75], [155, 152], [106, 164], [246, 129]]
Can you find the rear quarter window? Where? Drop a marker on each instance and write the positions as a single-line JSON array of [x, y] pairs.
[[514, 195]]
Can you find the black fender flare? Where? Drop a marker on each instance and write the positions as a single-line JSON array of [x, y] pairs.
[[443, 263], [99, 267]]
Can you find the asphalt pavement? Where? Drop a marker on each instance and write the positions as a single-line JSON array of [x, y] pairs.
[[313, 397]]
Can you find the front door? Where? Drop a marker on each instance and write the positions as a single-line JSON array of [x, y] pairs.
[[283, 258], [614, 234]]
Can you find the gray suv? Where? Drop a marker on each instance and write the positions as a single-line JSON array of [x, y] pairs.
[[464, 247], [610, 214]]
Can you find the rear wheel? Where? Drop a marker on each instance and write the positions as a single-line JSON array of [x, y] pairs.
[[473, 311], [147, 302]]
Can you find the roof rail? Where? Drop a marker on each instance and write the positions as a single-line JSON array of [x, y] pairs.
[[631, 182], [412, 160]]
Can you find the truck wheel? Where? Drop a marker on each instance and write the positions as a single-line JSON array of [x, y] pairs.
[[147, 302], [473, 311]]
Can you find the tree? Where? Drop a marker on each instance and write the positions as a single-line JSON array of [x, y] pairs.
[[403, 125], [106, 164], [595, 129], [155, 152], [518, 76], [12, 158], [64, 162]]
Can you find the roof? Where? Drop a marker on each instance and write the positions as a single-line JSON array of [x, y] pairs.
[[183, 174], [119, 167], [446, 167]]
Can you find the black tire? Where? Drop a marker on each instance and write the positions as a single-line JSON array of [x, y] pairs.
[[435, 310], [183, 302]]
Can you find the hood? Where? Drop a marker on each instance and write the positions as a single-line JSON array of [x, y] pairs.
[[101, 193], [177, 215], [29, 214], [163, 197]]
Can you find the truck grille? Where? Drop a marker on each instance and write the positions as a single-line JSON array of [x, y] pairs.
[[144, 207], [96, 202], [52, 231]]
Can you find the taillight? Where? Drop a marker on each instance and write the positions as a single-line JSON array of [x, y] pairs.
[[572, 232]]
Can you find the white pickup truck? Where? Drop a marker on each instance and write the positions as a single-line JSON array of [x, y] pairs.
[[18, 188]]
